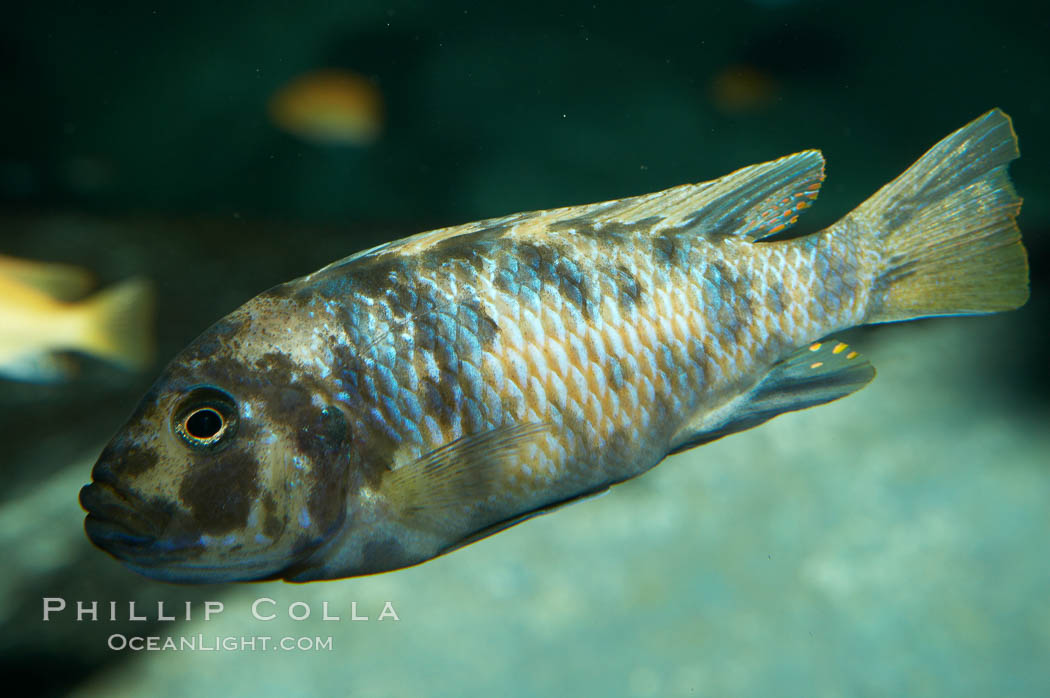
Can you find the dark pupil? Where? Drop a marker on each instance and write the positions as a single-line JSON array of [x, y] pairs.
[[204, 424]]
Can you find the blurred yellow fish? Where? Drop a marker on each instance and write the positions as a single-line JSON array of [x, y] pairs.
[[40, 317], [332, 107]]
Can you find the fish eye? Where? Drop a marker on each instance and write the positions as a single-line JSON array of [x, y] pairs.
[[206, 418], [204, 423]]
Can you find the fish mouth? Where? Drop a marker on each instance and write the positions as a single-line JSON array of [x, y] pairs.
[[114, 521]]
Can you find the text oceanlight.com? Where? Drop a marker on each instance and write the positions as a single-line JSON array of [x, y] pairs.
[[217, 643]]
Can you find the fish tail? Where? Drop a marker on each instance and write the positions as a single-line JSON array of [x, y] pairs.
[[118, 324], [944, 231]]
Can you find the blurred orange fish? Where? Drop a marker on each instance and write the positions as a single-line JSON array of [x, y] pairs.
[[742, 88], [331, 107], [39, 318]]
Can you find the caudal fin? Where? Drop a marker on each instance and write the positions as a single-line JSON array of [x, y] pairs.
[[118, 324], [945, 230]]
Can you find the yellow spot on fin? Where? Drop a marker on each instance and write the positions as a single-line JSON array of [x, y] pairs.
[[813, 375], [838, 348]]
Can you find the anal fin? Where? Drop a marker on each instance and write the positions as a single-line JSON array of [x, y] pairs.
[[813, 375]]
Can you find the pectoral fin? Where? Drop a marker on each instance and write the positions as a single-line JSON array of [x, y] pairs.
[[460, 473], [813, 375]]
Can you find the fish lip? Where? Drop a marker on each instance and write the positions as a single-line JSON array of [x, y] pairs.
[[110, 535], [128, 544], [113, 518]]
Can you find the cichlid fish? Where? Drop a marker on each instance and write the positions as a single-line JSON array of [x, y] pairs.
[[40, 319], [431, 391]]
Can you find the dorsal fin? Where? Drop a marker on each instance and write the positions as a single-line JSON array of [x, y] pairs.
[[751, 203], [759, 200]]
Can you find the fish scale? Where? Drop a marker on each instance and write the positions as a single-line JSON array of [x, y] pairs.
[[428, 392]]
